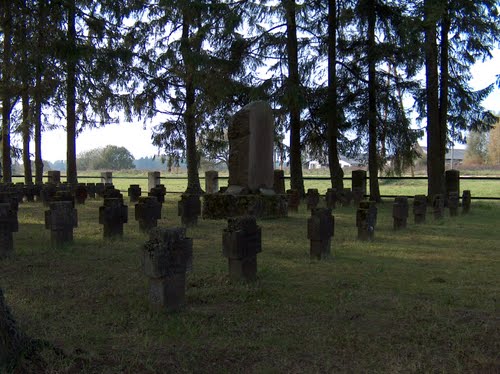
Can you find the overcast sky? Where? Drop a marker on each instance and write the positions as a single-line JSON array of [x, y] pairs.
[[137, 139]]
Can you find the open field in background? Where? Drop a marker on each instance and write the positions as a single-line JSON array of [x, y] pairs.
[[420, 300], [178, 182]]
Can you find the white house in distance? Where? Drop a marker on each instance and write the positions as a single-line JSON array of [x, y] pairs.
[[344, 163]]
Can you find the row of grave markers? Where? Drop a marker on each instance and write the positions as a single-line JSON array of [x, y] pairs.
[[168, 253], [62, 217]]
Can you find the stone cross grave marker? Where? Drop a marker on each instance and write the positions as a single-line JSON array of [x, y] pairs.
[[241, 241], [320, 230], [438, 206], [312, 198], [419, 208], [466, 201], [189, 208], [453, 202], [8, 225], [166, 258], [134, 192], [147, 212], [366, 220], [61, 219], [293, 200], [112, 215], [400, 212]]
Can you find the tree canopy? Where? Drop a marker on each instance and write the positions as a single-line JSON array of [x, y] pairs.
[[110, 157], [339, 76]]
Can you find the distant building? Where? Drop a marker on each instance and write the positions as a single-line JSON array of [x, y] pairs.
[[457, 155]]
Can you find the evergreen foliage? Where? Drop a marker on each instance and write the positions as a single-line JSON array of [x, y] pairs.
[[337, 75]]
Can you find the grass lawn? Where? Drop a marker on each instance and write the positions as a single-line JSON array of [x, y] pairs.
[[420, 300]]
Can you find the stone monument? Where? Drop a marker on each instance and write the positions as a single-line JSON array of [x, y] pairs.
[[251, 173], [251, 135]]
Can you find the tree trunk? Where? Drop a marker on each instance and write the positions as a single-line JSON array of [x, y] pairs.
[[293, 93], [25, 99], [336, 172], [38, 132], [26, 127], [443, 88], [435, 168], [6, 100], [372, 106], [71, 175], [193, 185], [38, 96]]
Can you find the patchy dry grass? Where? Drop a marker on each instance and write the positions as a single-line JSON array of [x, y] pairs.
[[424, 299]]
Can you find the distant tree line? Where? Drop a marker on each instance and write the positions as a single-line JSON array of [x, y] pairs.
[[337, 73], [483, 148], [109, 158]]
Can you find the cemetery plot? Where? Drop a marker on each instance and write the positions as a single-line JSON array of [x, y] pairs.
[[422, 297]]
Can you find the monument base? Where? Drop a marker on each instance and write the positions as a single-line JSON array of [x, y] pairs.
[[222, 206]]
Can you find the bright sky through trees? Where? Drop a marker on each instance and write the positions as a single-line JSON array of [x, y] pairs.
[[137, 139]]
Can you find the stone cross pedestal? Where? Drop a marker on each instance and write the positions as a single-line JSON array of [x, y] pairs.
[[8, 225], [466, 201], [166, 257], [251, 134], [419, 208], [61, 219], [438, 206], [211, 181], [147, 212], [320, 230], [279, 182], [359, 181], [54, 176], [107, 177], [366, 220], [400, 212], [241, 241], [112, 215], [312, 198], [189, 208], [134, 192], [153, 179], [293, 200]]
